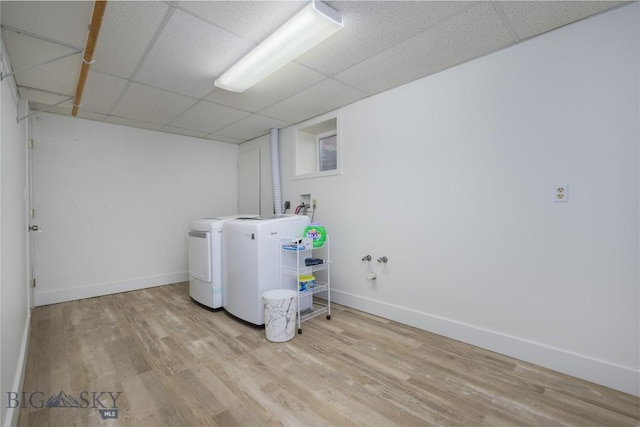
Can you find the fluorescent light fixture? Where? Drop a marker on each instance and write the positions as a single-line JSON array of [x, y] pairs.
[[314, 23]]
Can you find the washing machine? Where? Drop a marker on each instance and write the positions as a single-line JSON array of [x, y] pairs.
[[252, 261], [205, 259]]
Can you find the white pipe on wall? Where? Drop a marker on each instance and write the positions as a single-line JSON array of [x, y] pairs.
[[275, 171]]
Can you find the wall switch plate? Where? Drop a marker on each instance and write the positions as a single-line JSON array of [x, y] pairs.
[[561, 193]]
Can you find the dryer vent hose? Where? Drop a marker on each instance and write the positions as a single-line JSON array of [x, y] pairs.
[[275, 171]]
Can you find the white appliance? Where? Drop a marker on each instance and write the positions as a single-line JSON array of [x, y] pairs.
[[205, 259], [252, 261]]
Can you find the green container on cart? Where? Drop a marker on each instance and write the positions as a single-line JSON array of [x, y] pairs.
[[317, 233]]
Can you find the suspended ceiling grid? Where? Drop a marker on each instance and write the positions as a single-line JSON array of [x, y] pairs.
[[155, 62]]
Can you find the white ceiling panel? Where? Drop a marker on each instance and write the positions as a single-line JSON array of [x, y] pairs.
[[320, 98], [529, 18], [60, 109], [59, 76], [189, 55], [371, 27], [133, 123], [127, 29], [92, 116], [208, 117], [36, 17], [287, 81], [222, 138], [472, 33], [252, 127], [44, 98], [28, 51], [146, 104], [185, 132], [101, 93], [65, 110], [249, 20], [156, 61]]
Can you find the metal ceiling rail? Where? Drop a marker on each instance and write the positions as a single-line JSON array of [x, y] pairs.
[[99, 7], [4, 76], [50, 92], [49, 107], [44, 110], [76, 49], [38, 36]]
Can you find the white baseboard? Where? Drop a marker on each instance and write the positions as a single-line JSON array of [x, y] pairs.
[[11, 416], [580, 366], [100, 289]]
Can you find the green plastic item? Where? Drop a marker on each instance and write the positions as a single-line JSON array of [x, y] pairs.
[[317, 233]]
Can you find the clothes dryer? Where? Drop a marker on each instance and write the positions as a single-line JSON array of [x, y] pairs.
[[205, 259]]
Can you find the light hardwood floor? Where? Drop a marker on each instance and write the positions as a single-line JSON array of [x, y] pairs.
[[179, 364]]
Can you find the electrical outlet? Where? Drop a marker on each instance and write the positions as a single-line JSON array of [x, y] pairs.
[[561, 193], [315, 204]]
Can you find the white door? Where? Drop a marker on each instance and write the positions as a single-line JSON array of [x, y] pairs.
[[32, 223]]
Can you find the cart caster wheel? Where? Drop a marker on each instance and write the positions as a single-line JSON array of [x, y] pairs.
[[299, 331], [328, 317]]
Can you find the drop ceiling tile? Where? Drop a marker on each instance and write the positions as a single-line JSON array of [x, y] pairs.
[[92, 116], [101, 92], [185, 132], [222, 138], [43, 98], [44, 101], [249, 20], [59, 76], [127, 29], [318, 99], [530, 18], [133, 123], [373, 26], [287, 81], [208, 117], [189, 55], [63, 109], [175, 50], [35, 17], [475, 32], [151, 105], [252, 127], [25, 51]]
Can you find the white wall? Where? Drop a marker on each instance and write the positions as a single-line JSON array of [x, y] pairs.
[[453, 178], [115, 202], [14, 296]]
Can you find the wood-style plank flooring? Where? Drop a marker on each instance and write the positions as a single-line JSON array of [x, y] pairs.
[[176, 363]]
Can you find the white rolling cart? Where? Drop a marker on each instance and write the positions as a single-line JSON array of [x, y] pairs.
[[314, 297]]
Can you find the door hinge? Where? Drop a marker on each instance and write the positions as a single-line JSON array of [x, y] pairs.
[[30, 143], [32, 213], [33, 283]]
